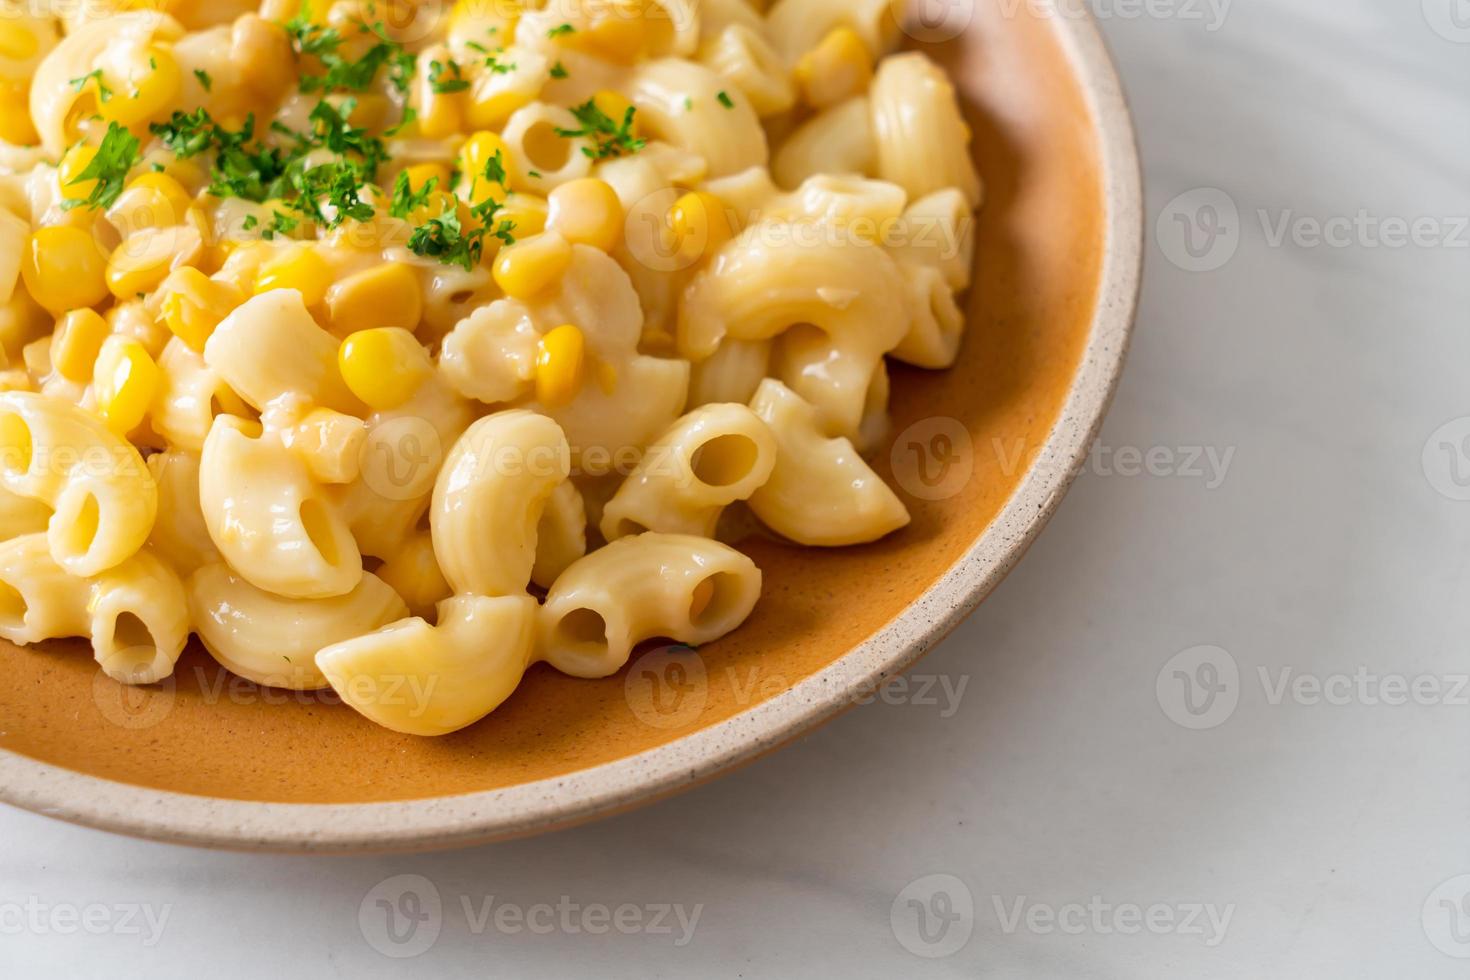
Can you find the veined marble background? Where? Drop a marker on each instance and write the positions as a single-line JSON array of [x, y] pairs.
[[1216, 724]]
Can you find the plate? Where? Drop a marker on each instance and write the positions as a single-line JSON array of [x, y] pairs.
[[982, 455]]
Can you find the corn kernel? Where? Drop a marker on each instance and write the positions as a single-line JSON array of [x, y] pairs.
[[144, 258], [76, 342], [531, 264], [69, 170], [151, 81], [440, 113], [491, 104], [586, 212], [838, 68], [15, 114], [300, 269], [63, 269], [619, 32], [700, 225], [420, 174], [383, 366], [17, 42], [477, 152], [124, 380], [386, 295], [194, 304], [615, 106], [560, 357], [150, 200], [527, 213], [36, 356]]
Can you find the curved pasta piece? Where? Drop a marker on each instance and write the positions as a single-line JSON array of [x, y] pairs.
[[103, 498], [848, 289], [611, 421], [414, 574], [693, 590], [710, 458], [936, 325], [432, 680], [679, 102], [268, 519], [54, 100], [797, 25], [273, 640], [489, 497], [540, 160], [269, 345], [490, 355], [838, 140], [922, 140], [135, 612], [742, 55], [190, 394], [688, 589], [14, 233], [561, 537], [179, 534], [731, 373], [820, 491], [21, 515], [938, 230]]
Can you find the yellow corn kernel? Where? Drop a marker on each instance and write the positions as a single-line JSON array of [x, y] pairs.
[[17, 42], [164, 197], [142, 260], [615, 106], [838, 68], [386, 295], [490, 106], [560, 357], [586, 212], [15, 114], [63, 269], [531, 264], [526, 212], [194, 304], [36, 356], [420, 174], [383, 366], [440, 113], [124, 379], [152, 81], [700, 225], [76, 342], [477, 152], [73, 162], [300, 269]]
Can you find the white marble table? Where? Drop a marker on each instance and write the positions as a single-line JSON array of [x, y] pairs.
[[1310, 821]]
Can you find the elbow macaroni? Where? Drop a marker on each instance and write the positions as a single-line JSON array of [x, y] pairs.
[[494, 306]]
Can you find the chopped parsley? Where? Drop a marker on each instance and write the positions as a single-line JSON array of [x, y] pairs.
[[500, 68], [437, 81], [115, 156], [558, 70], [725, 99], [406, 200], [610, 138], [342, 73], [561, 29], [204, 78], [104, 93]]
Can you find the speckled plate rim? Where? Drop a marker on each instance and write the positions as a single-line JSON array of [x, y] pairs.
[[601, 790]]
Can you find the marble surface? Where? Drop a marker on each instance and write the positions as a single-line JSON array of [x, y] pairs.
[[1214, 725]]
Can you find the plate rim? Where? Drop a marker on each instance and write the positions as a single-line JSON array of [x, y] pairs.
[[602, 790]]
